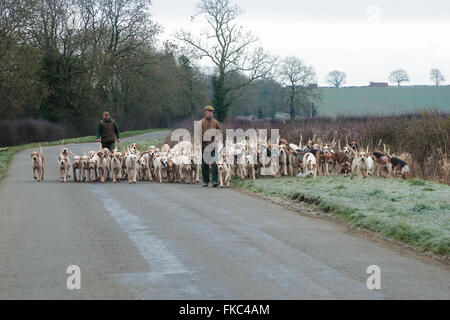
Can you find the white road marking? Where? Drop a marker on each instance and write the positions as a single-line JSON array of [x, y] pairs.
[[160, 259]]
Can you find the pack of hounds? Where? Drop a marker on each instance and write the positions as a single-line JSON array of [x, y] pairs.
[[249, 158]]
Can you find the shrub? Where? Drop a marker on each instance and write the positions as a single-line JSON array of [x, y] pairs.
[[15, 132]]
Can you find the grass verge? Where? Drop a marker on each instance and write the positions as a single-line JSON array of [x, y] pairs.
[[6, 154], [143, 144], [414, 212]]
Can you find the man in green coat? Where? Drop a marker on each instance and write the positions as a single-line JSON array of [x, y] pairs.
[[107, 131]]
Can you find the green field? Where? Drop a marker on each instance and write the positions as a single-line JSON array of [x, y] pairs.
[[365, 101], [415, 212]]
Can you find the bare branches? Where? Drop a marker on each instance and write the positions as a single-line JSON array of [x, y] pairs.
[[226, 44], [297, 78], [229, 47], [336, 78], [399, 76], [436, 76]]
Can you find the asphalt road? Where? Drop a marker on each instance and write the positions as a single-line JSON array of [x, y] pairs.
[[174, 241]]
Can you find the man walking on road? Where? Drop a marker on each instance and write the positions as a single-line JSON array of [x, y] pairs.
[[107, 131], [209, 123]]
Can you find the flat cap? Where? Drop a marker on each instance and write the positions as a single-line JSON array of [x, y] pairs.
[[208, 108], [105, 113]]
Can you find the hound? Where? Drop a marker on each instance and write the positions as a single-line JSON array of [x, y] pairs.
[[172, 169], [134, 148], [359, 164], [84, 165], [123, 162], [274, 159], [116, 166], [107, 160], [309, 165], [143, 171], [64, 153], [224, 174], [159, 166], [184, 169], [85, 172], [250, 161], [132, 166], [401, 166], [77, 168], [195, 168], [284, 159], [64, 168], [352, 149], [369, 163], [151, 156], [342, 161], [102, 166], [326, 159], [64, 163], [382, 161], [294, 158], [354, 145], [38, 164], [93, 164]]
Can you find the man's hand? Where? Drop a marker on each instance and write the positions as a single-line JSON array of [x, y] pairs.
[[98, 140], [118, 140]]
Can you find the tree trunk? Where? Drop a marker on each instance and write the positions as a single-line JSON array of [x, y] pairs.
[[292, 104], [220, 103]]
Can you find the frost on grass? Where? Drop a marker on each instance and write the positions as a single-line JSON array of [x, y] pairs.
[[415, 211]]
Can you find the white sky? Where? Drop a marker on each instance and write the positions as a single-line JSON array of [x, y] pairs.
[[365, 39]]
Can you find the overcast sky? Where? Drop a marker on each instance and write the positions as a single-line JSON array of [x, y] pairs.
[[365, 39]]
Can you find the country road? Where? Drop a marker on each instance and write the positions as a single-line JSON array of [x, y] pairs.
[[176, 241]]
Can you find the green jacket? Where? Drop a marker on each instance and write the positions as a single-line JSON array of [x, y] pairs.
[[116, 128]]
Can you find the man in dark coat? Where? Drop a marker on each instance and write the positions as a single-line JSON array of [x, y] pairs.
[[107, 131]]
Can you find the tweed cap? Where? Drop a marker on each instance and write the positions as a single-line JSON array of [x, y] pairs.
[[106, 113], [208, 108]]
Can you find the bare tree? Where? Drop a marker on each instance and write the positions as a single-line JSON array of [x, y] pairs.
[[399, 76], [336, 78], [230, 49], [436, 76], [297, 78]]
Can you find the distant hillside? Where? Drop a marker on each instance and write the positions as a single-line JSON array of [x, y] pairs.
[[382, 101]]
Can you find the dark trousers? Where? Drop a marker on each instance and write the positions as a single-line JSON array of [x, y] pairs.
[[206, 169], [109, 145]]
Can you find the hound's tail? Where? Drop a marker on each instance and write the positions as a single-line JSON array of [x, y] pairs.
[[73, 155]]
